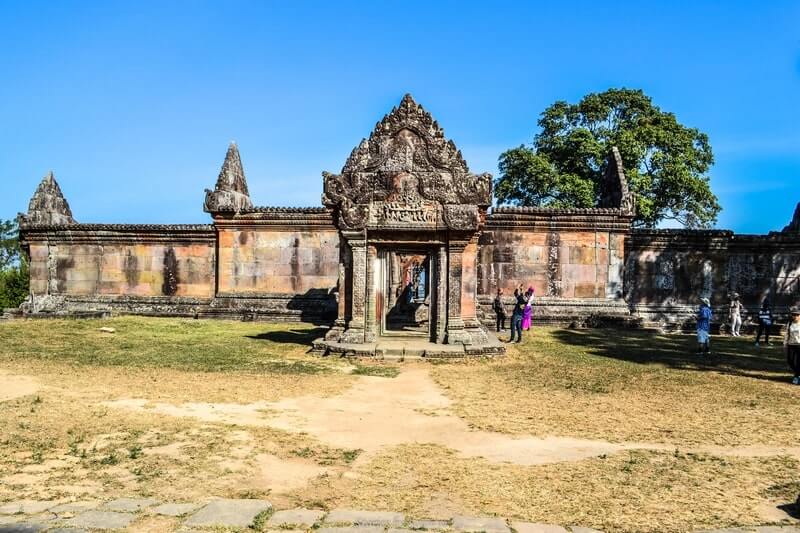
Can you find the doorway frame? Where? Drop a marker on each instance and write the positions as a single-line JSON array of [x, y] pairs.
[[383, 287]]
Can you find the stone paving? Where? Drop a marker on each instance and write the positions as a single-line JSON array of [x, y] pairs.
[[30, 516]]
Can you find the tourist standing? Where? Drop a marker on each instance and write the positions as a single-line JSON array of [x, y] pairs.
[[516, 314], [499, 310], [704, 327], [764, 322], [735, 312], [791, 344], [527, 315]]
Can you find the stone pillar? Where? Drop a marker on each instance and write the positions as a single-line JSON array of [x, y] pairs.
[[370, 313], [356, 325], [440, 278], [456, 334], [344, 296]]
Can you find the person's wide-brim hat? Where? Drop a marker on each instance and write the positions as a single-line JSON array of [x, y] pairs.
[[706, 301], [794, 311]]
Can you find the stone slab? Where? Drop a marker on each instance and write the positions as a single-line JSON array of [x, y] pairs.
[[67, 530], [175, 509], [351, 529], [295, 517], [581, 529], [480, 523], [26, 506], [536, 527], [364, 518], [22, 528], [228, 513], [74, 507], [129, 505], [429, 524], [101, 520]]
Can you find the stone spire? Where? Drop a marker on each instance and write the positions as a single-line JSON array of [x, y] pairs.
[[794, 225], [231, 194], [615, 192], [48, 205]]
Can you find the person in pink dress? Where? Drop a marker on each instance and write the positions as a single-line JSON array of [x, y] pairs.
[[527, 315]]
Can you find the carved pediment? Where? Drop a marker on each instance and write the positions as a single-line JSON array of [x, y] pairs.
[[408, 165]]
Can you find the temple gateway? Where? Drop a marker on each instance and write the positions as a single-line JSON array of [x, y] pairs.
[[406, 250]]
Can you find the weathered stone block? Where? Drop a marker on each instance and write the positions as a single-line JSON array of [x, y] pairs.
[[475, 524], [535, 527], [364, 518], [101, 520], [582, 255], [579, 273], [588, 290], [228, 513], [305, 518]]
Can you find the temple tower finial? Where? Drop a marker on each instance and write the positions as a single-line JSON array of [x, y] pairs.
[[615, 191], [48, 205], [230, 194]]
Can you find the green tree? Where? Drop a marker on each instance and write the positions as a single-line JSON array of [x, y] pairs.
[[665, 162], [13, 267]]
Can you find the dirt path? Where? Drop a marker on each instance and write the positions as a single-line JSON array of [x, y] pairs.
[[15, 386], [381, 412]]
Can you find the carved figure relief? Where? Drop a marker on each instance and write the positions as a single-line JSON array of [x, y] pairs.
[[407, 174]]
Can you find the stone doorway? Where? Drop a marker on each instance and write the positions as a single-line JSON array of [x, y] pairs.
[[405, 296]]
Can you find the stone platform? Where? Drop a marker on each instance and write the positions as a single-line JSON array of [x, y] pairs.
[[401, 348]]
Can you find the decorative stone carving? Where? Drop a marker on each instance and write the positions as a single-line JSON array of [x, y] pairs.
[[794, 225], [230, 194], [401, 173], [48, 205], [615, 192]]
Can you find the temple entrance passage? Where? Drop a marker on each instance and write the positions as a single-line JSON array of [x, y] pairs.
[[405, 292]]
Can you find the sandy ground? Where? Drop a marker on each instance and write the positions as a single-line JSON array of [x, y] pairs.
[[12, 386], [377, 413]]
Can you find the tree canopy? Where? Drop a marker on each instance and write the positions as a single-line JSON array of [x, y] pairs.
[[665, 162], [13, 267]]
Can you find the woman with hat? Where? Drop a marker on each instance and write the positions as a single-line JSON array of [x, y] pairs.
[[791, 344], [704, 327]]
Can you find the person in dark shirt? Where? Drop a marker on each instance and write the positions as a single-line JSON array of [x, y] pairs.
[[764, 322], [499, 310], [704, 327], [516, 315]]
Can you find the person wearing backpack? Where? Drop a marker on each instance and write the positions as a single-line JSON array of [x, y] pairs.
[[764, 322], [791, 344], [499, 310]]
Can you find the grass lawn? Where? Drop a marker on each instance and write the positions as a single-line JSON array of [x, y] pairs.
[[631, 386], [703, 443]]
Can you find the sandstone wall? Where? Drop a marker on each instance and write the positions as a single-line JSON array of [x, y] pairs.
[[120, 260], [282, 261], [667, 271]]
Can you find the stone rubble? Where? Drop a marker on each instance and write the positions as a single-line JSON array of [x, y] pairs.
[[31, 516]]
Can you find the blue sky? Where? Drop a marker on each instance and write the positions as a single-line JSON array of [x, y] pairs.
[[132, 104]]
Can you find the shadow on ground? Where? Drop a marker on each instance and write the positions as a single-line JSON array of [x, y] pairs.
[[304, 336], [734, 356]]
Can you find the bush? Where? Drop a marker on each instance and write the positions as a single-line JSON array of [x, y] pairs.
[[13, 286]]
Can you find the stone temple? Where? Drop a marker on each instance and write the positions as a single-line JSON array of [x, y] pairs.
[[406, 246]]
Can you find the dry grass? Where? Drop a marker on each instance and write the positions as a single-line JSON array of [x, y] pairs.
[[640, 491], [57, 446], [630, 386], [61, 442]]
